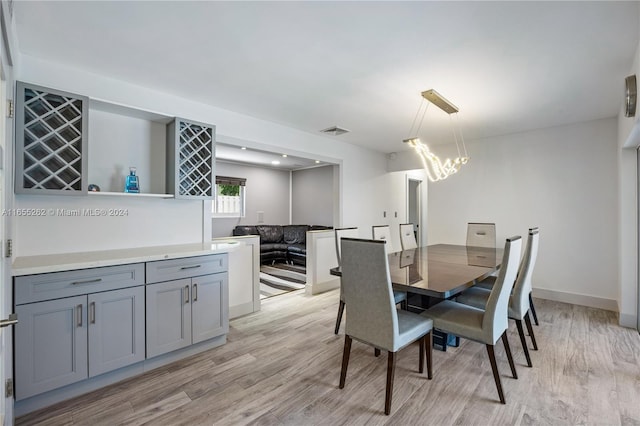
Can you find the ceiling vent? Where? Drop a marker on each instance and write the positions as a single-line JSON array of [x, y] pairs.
[[334, 130]]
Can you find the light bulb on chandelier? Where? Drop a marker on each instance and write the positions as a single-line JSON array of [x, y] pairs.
[[435, 168]]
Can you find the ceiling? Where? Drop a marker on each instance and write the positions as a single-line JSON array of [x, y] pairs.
[[266, 159], [508, 66]]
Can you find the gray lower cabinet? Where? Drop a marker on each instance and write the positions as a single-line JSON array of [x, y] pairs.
[[63, 341], [50, 345], [116, 329], [186, 311]]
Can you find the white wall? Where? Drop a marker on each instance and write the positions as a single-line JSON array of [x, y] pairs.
[[267, 191], [361, 170], [312, 196], [562, 179]]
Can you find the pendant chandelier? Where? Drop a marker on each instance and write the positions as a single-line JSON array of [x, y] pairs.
[[436, 168]]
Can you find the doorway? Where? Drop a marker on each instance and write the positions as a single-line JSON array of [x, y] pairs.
[[414, 207]]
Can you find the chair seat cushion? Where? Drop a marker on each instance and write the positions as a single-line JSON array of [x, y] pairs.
[[399, 296], [297, 248], [461, 320], [487, 282], [410, 328], [280, 247], [475, 296]]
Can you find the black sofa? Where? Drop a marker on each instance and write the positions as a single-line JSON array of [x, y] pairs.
[[287, 243]]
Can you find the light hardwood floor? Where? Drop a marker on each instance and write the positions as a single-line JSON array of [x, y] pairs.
[[281, 366]]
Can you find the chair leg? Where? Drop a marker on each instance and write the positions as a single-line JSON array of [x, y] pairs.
[[376, 352], [533, 310], [429, 343], [496, 375], [507, 349], [421, 342], [345, 360], [527, 321], [391, 371], [339, 319], [524, 342]]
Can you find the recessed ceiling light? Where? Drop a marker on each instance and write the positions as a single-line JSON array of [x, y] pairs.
[[284, 155], [317, 161], [275, 162], [244, 148]]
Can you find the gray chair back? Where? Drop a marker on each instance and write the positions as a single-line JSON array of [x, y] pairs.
[[481, 234], [341, 233], [383, 232], [519, 304], [407, 236], [495, 320], [366, 283]]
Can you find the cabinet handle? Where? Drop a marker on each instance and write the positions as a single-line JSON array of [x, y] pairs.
[[79, 315], [186, 294], [195, 292], [97, 280], [92, 312], [190, 267]]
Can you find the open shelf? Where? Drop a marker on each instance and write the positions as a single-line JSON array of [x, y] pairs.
[[128, 194]]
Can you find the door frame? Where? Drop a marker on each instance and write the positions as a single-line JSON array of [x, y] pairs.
[[418, 195]]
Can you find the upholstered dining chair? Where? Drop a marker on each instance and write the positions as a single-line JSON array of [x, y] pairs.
[[519, 299], [488, 282], [373, 318], [407, 236], [399, 297], [481, 234], [488, 325], [383, 232]]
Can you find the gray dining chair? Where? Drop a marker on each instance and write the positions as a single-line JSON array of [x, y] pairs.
[[373, 318], [383, 232], [488, 283], [481, 234], [484, 325], [519, 300], [399, 297], [407, 236]]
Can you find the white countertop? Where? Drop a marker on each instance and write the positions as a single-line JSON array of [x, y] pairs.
[[27, 265]]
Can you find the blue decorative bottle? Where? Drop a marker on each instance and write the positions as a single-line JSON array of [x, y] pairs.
[[131, 183]]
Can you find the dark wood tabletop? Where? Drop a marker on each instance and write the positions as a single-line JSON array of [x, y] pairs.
[[441, 270]]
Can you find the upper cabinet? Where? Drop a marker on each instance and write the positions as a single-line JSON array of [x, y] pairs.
[[51, 141], [191, 159], [59, 153]]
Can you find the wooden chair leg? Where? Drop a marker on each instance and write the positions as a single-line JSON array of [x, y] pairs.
[[524, 342], [527, 321], [533, 310], [496, 375], [391, 371], [339, 319], [376, 352], [507, 349], [345, 360], [429, 343], [421, 342]]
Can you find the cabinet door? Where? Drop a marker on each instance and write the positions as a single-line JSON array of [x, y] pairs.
[[191, 159], [51, 141], [51, 345], [116, 329], [168, 316], [209, 306]]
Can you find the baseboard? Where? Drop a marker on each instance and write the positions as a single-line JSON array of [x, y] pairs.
[[317, 288], [240, 310], [628, 320], [576, 299]]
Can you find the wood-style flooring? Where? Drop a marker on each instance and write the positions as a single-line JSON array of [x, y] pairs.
[[281, 366]]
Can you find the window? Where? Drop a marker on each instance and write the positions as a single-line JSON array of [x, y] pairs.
[[230, 196]]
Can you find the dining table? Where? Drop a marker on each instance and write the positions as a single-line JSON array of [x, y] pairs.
[[433, 273]]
